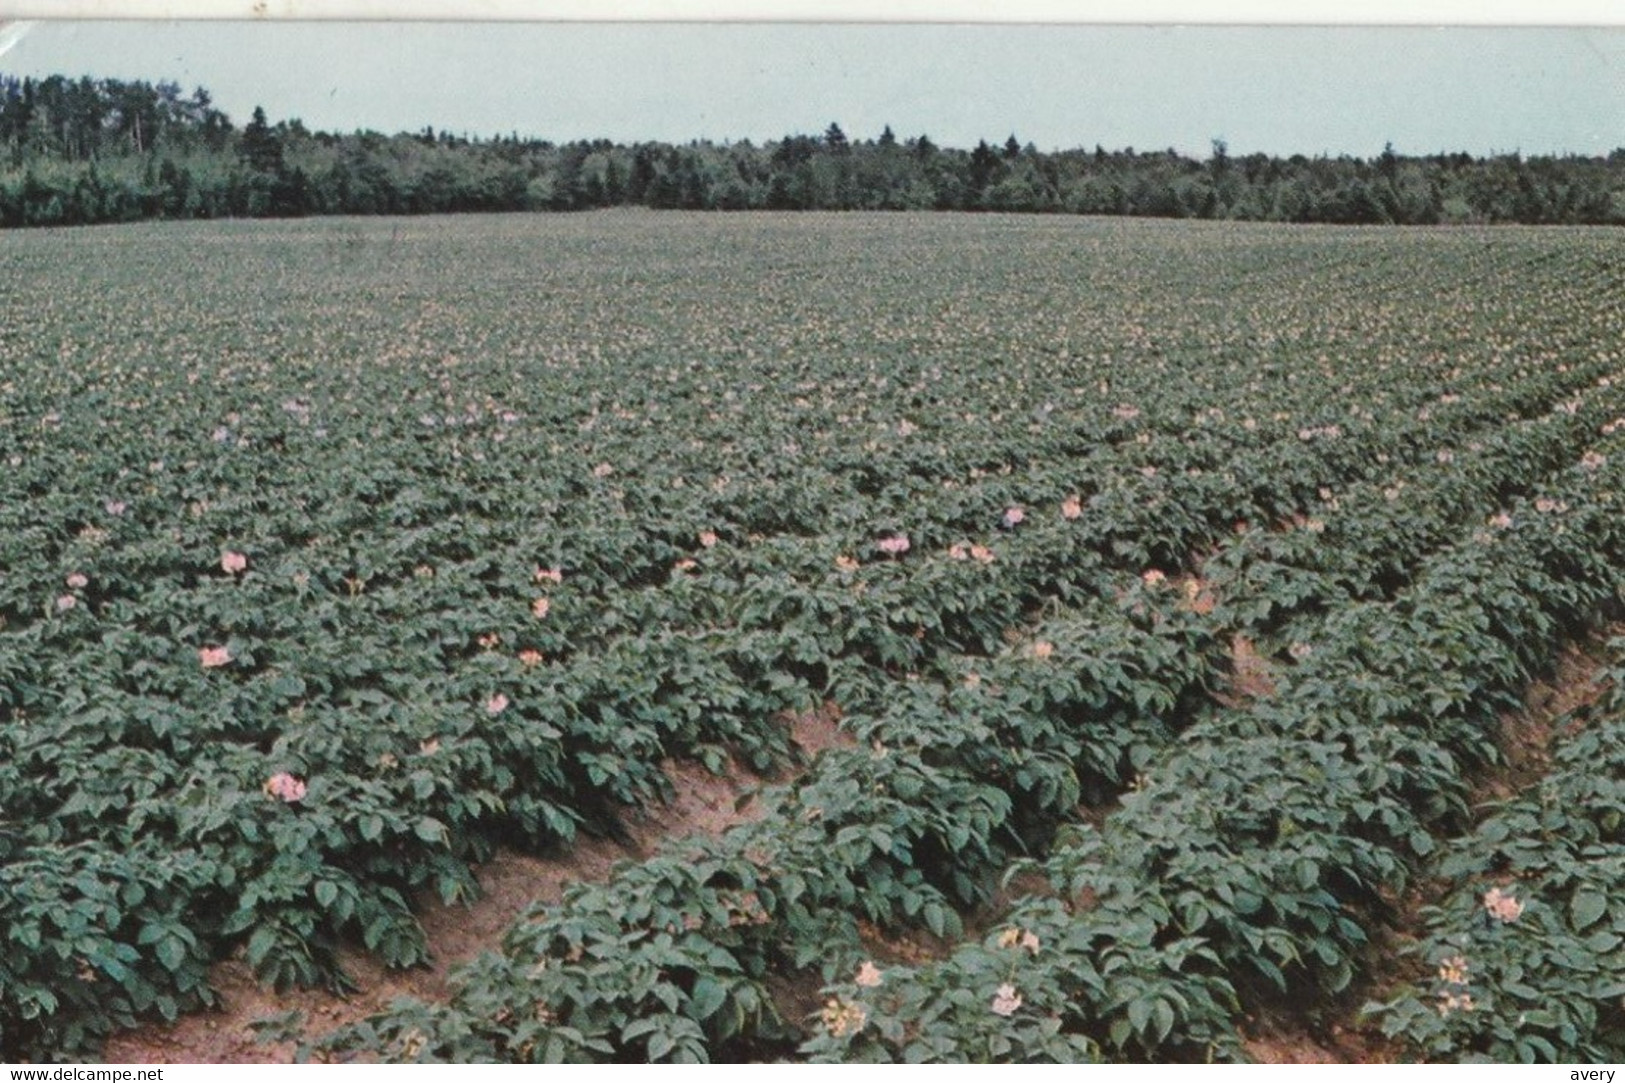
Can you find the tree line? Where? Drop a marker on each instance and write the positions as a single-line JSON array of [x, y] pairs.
[[88, 150]]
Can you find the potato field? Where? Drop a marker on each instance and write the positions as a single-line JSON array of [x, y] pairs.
[[1172, 582]]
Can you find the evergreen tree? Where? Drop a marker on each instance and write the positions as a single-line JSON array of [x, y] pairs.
[[259, 146]]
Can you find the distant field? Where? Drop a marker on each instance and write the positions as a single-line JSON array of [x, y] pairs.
[[1195, 565]]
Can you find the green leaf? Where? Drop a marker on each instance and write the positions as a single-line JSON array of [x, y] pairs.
[[430, 829], [327, 893], [1162, 1016], [637, 1028], [1139, 1014], [260, 945], [707, 997], [1601, 943], [171, 952], [288, 686], [1587, 906]]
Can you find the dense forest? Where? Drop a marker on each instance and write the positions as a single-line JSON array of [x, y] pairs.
[[88, 150]]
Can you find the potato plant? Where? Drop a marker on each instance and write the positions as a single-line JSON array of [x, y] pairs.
[[326, 570]]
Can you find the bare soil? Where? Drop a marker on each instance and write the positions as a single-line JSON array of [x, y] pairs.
[[1251, 676]]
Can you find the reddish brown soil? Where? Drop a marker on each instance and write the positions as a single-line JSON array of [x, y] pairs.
[[1251, 676], [1527, 735], [904, 947], [1280, 1042], [705, 803]]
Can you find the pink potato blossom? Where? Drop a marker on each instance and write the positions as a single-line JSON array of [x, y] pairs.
[[284, 787], [214, 657], [1453, 971], [1071, 508], [869, 975], [1006, 1001], [66, 602], [232, 562], [77, 581], [896, 545], [549, 575], [1013, 516], [540, 607], [496, 704], [1502, 906], [841, 1017], [708, 538], [1019, 938], [1449, 1003]]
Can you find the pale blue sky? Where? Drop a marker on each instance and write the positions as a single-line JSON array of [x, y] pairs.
[[1274, 89]]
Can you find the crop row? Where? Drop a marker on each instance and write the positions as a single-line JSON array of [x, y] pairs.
[[401, 790], [302, 616], [1523, 950], [987, 761], [386, 819], [1263, 850]]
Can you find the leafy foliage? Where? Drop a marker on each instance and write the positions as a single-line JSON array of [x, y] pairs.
[[1524, 952], [98, 150], [333, 572]]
